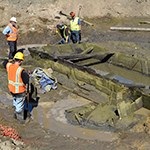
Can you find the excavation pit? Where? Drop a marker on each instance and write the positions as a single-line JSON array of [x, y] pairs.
[[115, 84]]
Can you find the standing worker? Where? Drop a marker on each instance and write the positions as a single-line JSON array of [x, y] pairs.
[[11, 34], [18, 79], [64, 33], [75, 27]]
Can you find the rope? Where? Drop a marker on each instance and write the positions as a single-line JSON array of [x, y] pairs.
[[10, 132]]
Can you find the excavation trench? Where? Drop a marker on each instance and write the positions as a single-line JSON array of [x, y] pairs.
[[107, 91]]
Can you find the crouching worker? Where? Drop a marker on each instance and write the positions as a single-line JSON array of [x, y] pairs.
[[18, 79], [64, 33]]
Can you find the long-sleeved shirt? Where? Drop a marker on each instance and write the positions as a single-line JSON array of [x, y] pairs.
[[7, 30]]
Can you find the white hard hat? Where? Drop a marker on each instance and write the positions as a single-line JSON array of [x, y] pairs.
[[13, 19]]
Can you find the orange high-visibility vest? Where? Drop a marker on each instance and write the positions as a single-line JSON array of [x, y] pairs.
[[74, 26], [15, 83], [12, 36]]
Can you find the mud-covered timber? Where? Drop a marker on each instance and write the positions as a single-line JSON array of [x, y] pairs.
[[77, 72], [65, 63], [111, 100]]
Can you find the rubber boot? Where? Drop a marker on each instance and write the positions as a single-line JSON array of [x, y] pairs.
[[20, 117]]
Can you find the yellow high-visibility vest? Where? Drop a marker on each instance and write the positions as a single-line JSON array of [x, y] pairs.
[[64, 32], [74, 26]]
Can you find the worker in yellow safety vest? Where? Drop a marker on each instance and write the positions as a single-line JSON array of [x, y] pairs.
[[63, 32], [75, 27], [18, 79], [11, 33]]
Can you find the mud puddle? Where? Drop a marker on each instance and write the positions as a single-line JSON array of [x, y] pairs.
[[52, 116]]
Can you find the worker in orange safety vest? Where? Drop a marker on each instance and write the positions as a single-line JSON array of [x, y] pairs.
[[11, 33], [18, 79]]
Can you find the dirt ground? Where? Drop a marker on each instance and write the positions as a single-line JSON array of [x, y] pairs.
[[36, 136]]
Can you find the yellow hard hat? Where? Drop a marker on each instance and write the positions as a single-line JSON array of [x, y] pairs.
[[19, 56]]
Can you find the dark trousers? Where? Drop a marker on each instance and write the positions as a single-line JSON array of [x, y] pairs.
[[12, 49], [63, 41], [76, 36]]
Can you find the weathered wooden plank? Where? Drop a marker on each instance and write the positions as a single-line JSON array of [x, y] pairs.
[[129, 29], [144, 22]]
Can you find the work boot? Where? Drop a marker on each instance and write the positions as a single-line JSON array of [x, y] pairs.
[[28, 115], [15, 115], [27, 120], [20, 117]]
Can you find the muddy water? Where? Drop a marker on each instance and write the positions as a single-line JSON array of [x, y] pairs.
[[52, 116], [122, 74]]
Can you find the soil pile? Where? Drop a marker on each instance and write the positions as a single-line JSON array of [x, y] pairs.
[[33, 15]]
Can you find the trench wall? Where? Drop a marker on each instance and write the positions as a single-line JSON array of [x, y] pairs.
[[134, 63], [112, 90], [117, 94]]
